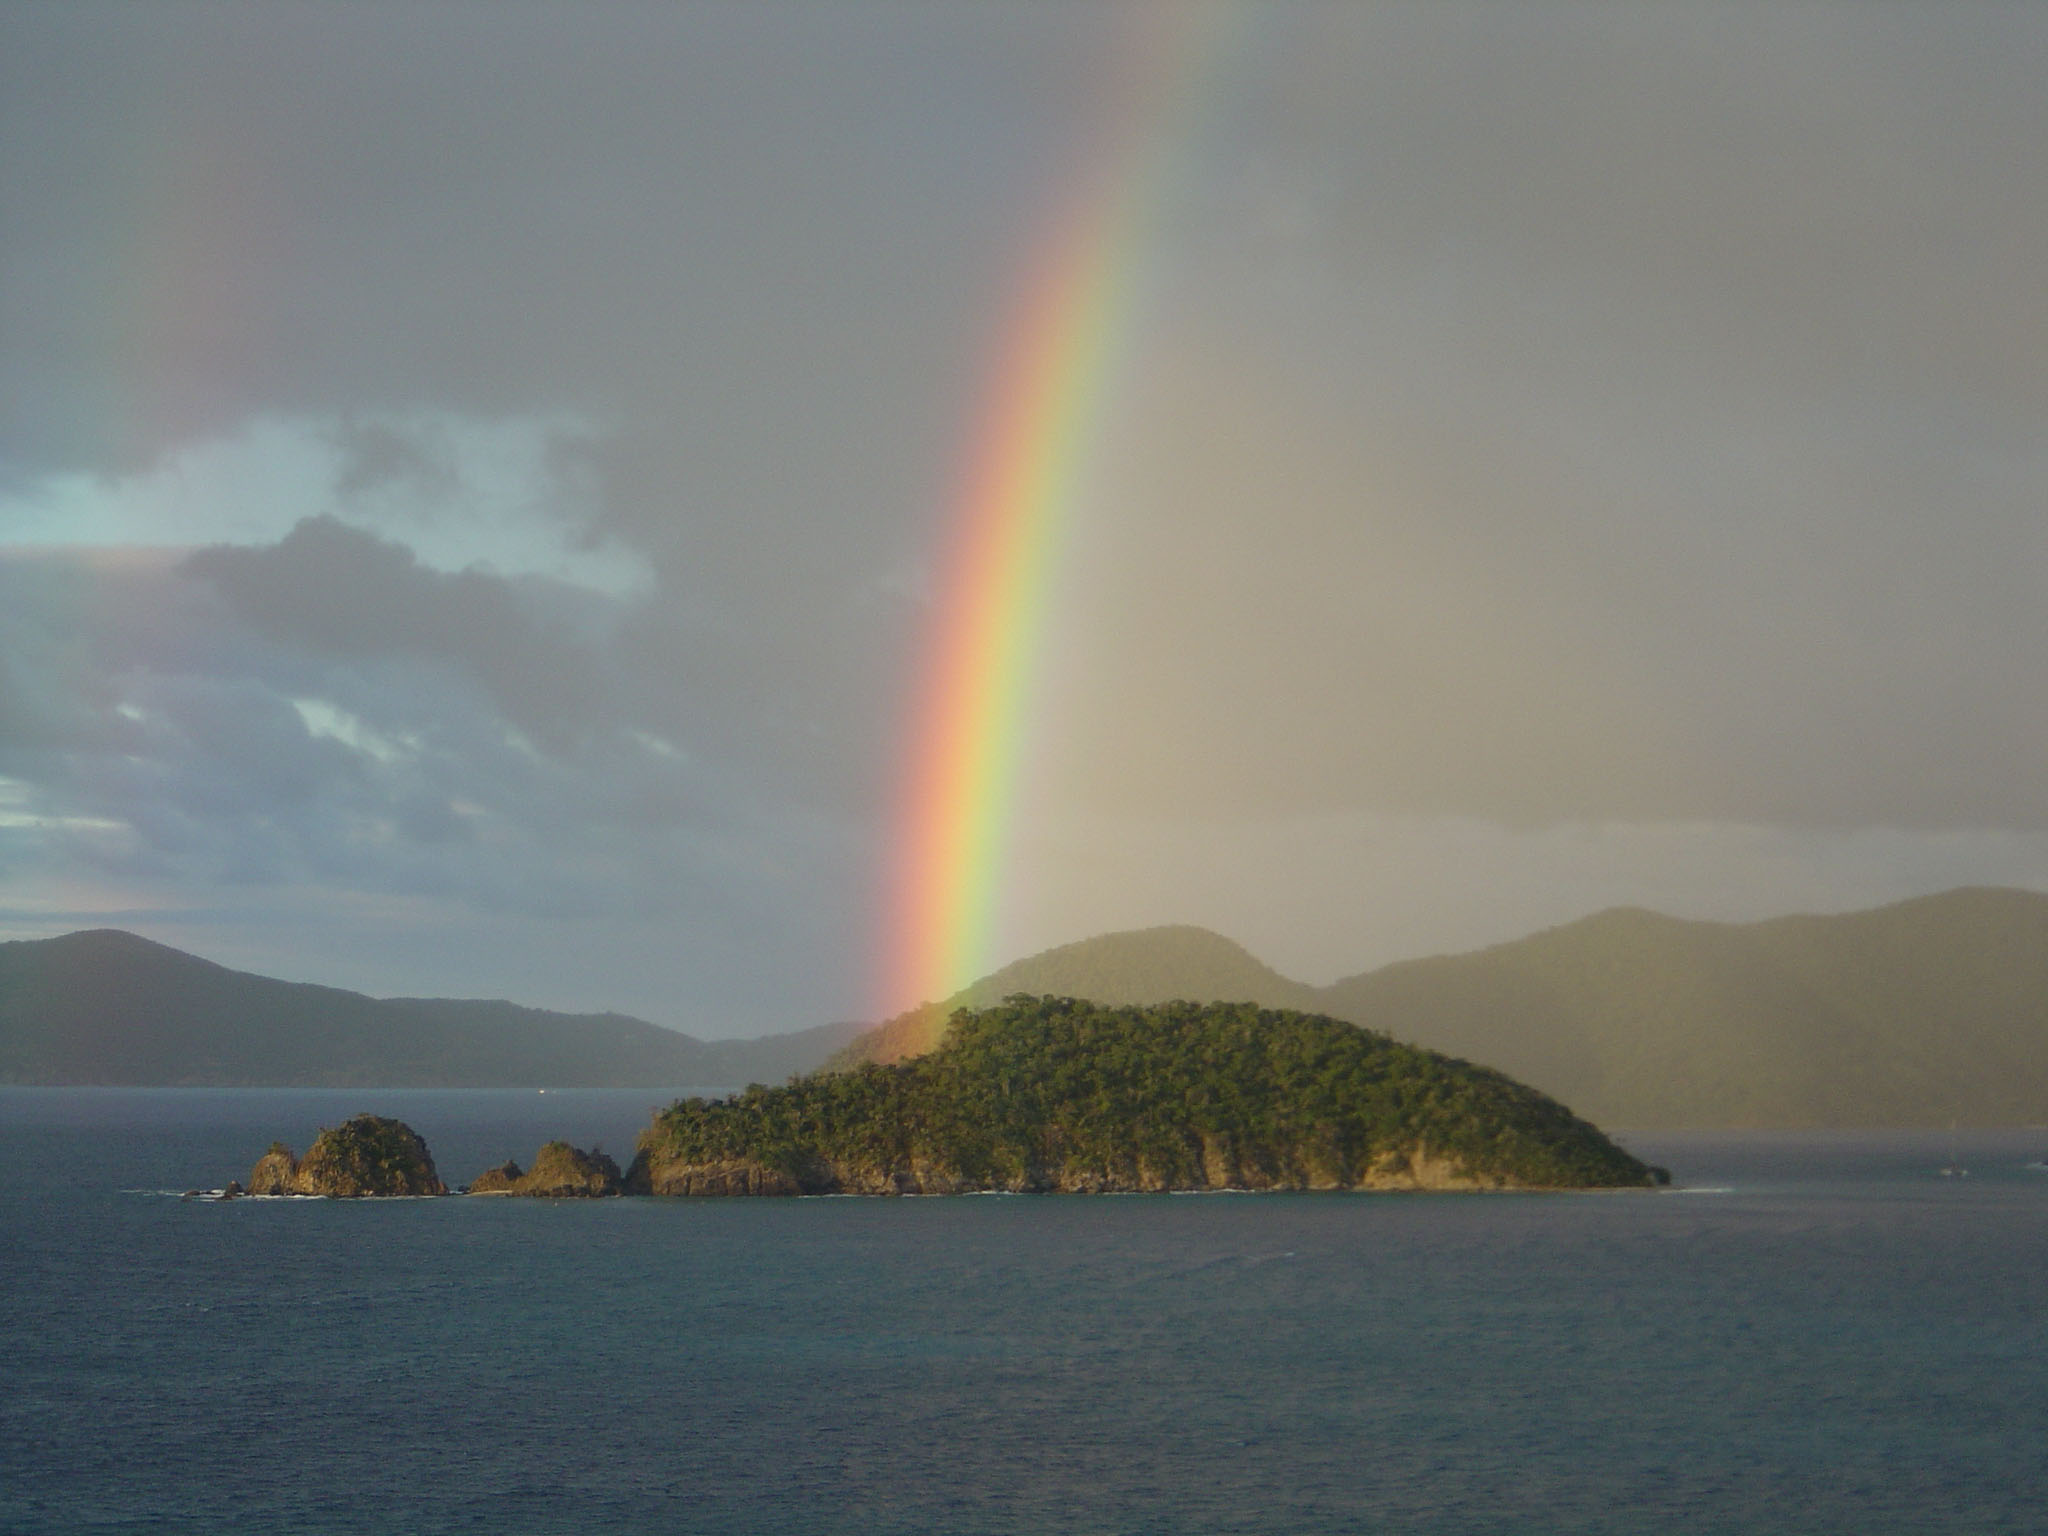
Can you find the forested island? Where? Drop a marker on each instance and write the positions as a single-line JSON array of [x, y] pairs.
[[1053, 1094], [1058, 1095]]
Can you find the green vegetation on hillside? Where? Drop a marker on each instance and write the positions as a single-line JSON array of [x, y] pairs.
[[1057, 1094], [1145, 965]]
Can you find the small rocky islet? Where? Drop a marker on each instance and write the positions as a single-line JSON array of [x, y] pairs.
[[1057, 1095], [559, 1172], [368, 1155], [371, 1156]]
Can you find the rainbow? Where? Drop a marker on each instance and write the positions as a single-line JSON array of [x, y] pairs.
[[1055, 365]]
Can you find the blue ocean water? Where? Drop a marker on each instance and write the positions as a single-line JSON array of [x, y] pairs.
[[1812, 1334]]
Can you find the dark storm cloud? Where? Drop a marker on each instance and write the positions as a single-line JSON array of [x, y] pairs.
[[329, 588], [690, 225], [324, 710], [377, 457], [571, 669]]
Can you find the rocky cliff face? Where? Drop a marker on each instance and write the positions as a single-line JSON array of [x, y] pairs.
[[500, 1180], [342, 1163], [1416, 1168], [275, 1173], [559, 1172], [368, 1155], [661, 1176]]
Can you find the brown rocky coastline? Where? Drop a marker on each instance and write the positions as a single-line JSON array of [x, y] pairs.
[[1416, 1169], [366, 1156], [1054, 1095]]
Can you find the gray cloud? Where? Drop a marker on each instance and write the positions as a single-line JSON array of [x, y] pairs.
[[1539, 416], [378, 457], [329, 588], [1564, 414], [324, 715]]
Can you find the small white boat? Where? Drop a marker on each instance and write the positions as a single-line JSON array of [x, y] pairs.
[[1955, 1168]]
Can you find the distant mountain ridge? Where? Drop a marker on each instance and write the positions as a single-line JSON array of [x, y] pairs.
[[1917, 1014], [108, 1007]]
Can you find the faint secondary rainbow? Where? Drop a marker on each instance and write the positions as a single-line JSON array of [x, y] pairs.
[[1054, 368]]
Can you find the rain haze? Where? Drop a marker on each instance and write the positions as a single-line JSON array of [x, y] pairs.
[[473, 477]]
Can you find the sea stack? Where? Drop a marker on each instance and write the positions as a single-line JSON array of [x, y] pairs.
[[559, 1172], [496, 1181], [366, 1156]]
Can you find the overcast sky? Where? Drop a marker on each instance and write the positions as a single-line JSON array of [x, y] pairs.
[[471, 476]]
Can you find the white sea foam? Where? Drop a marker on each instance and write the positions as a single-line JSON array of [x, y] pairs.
[[222, 1194]]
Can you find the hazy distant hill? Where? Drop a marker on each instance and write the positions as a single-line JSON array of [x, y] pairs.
[[1915, 1014], [1137, 968], [1932, 1010], [109, 1007]]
